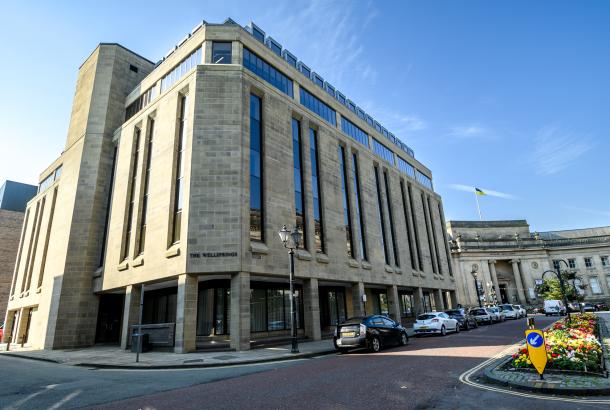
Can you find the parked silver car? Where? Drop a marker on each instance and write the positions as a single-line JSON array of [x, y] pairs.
[[496, 314], [481, 315]]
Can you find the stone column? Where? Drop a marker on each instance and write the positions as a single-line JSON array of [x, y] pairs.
[[311, 304], [418, 301], [358, 305], [518, 281], [393, 302], [454, 299], [494, 279], [240, 311], [131, 312], [186, 314], [526, 277], [440, 303]]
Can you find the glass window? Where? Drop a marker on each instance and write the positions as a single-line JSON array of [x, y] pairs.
[[317, 195], [608, 281], [354, 131], [221, 53], [258, 310], [315, 105], [424, 180], [406, 305], [143, 215], [299, 183], [346, 203], [380, 215], [595, 288], [383, 152], [405, 167], [589, 262], [556, 265], [605, 261], [405, 211], [572, 263], [181, 69], [359, 211], [267, 72], [179, 186], [319, 81], [256, 170], [135, 157], [391, 218]]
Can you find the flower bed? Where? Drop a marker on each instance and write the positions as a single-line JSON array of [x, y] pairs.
[[574, 347]]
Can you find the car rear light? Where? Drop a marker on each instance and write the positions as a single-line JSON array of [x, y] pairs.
[[362, 329], [435, 320]]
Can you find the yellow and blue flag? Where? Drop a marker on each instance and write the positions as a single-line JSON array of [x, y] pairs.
[[479, 192]]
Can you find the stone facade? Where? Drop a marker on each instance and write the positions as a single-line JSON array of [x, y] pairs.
[[509, 259], [215, 285]]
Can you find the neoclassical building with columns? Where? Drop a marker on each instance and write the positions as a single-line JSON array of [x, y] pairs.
[[174, 182], [509, 260]]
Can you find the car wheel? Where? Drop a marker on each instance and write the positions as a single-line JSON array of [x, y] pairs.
[[375, 344], [467, 325], [457, 328], [490, 321], [404, 339], [443, 331], [476, 324], [343, 350]]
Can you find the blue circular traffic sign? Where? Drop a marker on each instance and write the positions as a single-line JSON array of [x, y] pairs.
[[535, 340]]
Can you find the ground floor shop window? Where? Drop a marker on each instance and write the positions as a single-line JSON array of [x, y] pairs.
[[406, 305], [380, 303], [270, 308], [429, 303], [332, 306], [213, 309], [160, 306]]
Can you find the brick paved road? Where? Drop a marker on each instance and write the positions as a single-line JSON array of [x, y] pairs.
[[421, 375]]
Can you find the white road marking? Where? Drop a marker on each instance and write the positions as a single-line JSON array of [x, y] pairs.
[[181, 369]]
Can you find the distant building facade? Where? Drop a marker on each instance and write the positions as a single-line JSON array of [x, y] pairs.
[[14, 197], [176, 178], [510, 260]]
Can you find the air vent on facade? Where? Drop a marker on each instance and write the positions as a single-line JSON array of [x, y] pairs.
[[133, 68]]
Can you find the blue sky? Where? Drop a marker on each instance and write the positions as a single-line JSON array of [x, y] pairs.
[[511, 97]]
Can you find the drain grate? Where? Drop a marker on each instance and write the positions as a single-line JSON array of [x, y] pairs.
[[225, 357]]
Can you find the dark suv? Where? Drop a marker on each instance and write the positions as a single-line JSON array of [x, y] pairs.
[[371, 332], [464, 318]]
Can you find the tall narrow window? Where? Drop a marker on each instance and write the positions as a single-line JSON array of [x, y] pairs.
[[35, 245], [359, 213], [415, 228], [47, 239], [135, 159], [428, 235], [316, 194], [21, 245], [347, 218], [445, 240], [433, 226], [179, 189], [143, 215], [30, 244], [108, 203], [299, 183], [408, 224], [381, 217], [256, 170], [388, 198]]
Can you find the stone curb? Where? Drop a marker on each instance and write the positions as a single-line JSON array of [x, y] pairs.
[[178, 366]]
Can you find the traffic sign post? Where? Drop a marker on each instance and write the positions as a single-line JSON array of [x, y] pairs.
[[536, 348]]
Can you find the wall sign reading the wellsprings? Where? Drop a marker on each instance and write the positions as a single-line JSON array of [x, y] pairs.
[[212, 254]]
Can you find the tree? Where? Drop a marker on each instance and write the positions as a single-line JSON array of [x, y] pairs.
[[551, 289]]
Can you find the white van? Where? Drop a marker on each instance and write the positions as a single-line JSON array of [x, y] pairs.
[[554, 307]]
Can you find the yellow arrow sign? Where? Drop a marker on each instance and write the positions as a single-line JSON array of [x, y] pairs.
[[536, 348]]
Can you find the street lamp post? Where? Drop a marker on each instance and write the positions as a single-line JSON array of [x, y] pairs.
[[291, 241], [561, 286], [476, 285]]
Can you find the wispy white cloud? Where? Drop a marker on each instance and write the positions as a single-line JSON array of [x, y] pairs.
[[556, 149], [470, 131], [490, 192], [588, 210], [327, 34]]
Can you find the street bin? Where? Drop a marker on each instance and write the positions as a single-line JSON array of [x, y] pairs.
[[134, 343]]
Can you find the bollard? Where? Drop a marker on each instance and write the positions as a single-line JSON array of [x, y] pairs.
[[530, 323]]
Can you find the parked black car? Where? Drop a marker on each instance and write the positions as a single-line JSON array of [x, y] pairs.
[[464, 318], [601, 306], [372, 332]]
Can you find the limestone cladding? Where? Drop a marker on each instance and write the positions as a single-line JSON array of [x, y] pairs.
[[10, 232], [510, 259]]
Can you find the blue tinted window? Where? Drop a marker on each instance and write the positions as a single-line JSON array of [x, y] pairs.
[[424, 180], [354, 131], [351, 106], [382, 151], [182, 68], [256, 170], [258, 34], [405, 167], [319, 81], [299, 200], [315, 188], [346, 202], [314, 104], [267, 72], [340, 97]]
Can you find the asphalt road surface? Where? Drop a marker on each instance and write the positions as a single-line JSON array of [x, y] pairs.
[[425, 374]]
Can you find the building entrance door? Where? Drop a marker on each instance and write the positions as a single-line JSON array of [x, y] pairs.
[[332, 307], [503, 293], [109, 318], [213, 311]]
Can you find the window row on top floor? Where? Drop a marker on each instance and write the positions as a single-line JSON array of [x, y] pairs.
[[383, 152], [424, 180], [192, 60], [354, 131], [48, 181], [406, 168], [317, 106], [267, 72], [141, 102]]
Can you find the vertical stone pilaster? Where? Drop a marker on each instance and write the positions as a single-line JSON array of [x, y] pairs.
[[131, 312], [311, 302], [186, 314], [240, 311], [418, 301], [518, 281], [440, 302], [453, 298], [358, 305], [393, 302], [494, 279]]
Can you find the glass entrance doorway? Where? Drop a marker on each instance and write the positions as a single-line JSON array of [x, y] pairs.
[[503, 293], [213, 309], [332, 307]]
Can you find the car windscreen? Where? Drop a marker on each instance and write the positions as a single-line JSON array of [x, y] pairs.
[[478, 312], [454, 312], [425, 317], [507, 307]]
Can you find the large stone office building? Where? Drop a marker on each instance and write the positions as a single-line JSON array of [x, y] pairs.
[[178, 176], [509, 260]]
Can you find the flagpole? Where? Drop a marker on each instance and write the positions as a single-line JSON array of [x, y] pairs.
[[478, 207]]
